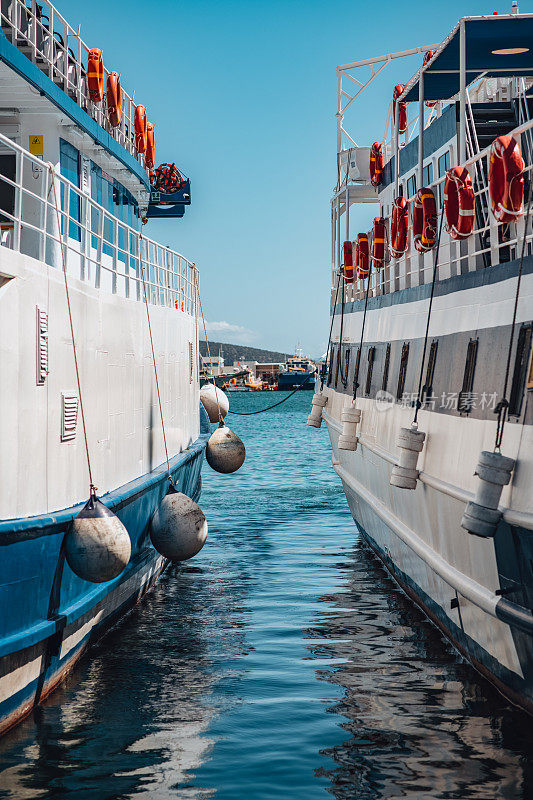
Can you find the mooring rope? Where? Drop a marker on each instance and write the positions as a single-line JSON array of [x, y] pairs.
[[92, 487], [171, 482], [261, 410], [359, 352], [502, 408]]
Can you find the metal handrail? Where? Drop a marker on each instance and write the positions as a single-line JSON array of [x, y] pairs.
[[58, 49], [97, 242]]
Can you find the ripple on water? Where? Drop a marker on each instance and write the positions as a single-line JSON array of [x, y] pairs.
[[282, 662]]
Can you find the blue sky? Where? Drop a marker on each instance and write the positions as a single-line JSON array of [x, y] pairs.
[[242, 94]]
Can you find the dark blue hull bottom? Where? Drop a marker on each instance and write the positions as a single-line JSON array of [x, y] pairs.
[[287, 381], [50, 616]]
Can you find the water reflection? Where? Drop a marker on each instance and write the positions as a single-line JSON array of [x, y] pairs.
[[419, 722], [132, 719]]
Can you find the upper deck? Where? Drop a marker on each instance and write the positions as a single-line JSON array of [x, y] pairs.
[[475, 88]]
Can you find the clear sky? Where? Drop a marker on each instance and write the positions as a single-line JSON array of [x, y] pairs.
[[242, 94]]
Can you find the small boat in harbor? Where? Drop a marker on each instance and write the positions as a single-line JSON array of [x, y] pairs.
[[83, 397], [428, 390], [298, 373]]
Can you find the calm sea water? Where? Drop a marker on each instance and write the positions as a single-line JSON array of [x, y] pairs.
[[281, 663]]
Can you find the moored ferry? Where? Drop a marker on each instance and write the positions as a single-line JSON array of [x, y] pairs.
[[79, 278], [428, 391], [298, 372]]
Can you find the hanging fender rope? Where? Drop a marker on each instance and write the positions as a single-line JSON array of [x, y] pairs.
[[220, 417], [92, 487], [503, 406], [358, 363], [433, 281], [171, 482]]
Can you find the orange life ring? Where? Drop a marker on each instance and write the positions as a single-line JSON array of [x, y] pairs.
[[398, 89], [114, 99], [95, 75], [149, 156], [459, 203], [348, 262], [376, 164], [506, 179], [378, 242], [424, 220], [140, 129], [427, 58], [399, 227], [362, 255]]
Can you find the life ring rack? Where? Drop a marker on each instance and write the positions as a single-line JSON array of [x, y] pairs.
[[459, 203], [424, 220], [506, 179]]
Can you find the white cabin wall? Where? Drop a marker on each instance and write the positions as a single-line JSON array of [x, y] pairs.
[[38, 472]]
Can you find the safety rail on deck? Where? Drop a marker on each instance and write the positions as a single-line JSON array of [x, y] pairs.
[[99, 248], [46, 38], [455, 256]]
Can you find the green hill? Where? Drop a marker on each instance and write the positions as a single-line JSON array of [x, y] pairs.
[[238, 352]]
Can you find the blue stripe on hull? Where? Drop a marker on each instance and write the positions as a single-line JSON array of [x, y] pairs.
[[517, 689], [47, 603]]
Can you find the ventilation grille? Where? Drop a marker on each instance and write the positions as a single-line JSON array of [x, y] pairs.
[[69, 416], [42, 346]]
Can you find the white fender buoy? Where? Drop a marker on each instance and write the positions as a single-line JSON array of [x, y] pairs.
[[405, 473], [97, 546], [315, 417], [209, 394], [350, 417], [179, 528], [225, 452], [481, 515]]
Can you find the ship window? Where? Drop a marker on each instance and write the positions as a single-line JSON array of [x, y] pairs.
[[444, 166], [346, 366], [402, 371], [371, 357], [386, 369], [465, 401], [411, 186], [427, 175], [69, 162], [521, 368], [427, 389]]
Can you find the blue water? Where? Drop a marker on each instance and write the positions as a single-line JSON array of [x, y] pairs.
[[282, 662]]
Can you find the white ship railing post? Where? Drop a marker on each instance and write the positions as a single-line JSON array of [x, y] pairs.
[[462, 92]]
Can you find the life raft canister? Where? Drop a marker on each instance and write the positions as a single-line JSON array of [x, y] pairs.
[[114, 99], [459, 203], [149, 156], [95, 75], [506, 179], [348, 262], [376, 164], [398, 89], [362, 256], [424, 220], [140, 129], [378, 242], [399, 227], [427, 58]]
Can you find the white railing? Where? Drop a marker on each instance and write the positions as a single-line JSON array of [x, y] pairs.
[[455, 257], [99, 247], [44, 35]]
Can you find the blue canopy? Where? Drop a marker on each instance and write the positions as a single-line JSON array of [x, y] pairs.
[[490, 42]]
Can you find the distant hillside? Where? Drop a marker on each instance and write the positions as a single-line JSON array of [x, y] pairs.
[[238, 352]]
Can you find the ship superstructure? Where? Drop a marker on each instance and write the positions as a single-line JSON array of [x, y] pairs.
[[74, 188], [429, 366]]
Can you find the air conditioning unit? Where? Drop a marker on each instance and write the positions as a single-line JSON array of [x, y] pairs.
[[357, 159]]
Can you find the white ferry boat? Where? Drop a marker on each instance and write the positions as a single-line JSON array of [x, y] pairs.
[[428, 393], [75, 159]]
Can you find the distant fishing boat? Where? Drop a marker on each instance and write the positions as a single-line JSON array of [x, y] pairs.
[[299, 371], [428, 390], [76, 163]]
